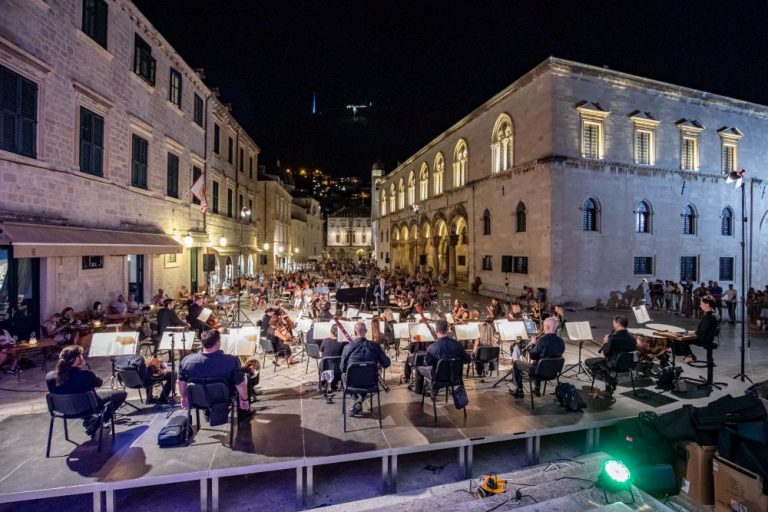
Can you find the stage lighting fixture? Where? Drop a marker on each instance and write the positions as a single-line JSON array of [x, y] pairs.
[[615, 477]]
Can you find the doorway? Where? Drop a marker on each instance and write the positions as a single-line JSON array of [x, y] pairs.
[[136, 276], [194, 255], [19, 293]]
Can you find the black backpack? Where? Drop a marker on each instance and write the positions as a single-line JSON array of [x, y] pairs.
[[569, 397], [174, 433]]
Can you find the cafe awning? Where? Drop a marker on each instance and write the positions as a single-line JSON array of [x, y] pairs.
[[41, 241]]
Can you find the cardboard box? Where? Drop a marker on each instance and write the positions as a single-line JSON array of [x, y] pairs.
[[737, 489], [694, 472]]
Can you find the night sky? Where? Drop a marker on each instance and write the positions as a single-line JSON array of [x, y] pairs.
[[424, 65]]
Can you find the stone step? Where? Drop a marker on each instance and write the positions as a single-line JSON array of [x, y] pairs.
[[557, 486]]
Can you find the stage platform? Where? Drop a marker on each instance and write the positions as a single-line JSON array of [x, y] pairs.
[[296, 430]]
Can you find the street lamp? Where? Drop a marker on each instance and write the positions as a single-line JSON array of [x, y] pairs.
[[188, 241], [737, 178]]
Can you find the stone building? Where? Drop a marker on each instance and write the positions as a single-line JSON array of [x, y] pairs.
[[306, 229], [582, 180], [106, 129], [273, 223], [349, 234]]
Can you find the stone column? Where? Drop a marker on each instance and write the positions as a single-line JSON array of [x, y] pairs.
[[452, 241]]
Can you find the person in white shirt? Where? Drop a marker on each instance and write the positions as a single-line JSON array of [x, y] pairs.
[[730, 297]]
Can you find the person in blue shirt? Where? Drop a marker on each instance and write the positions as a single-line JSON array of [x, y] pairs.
[[545, 346], [362, 350]]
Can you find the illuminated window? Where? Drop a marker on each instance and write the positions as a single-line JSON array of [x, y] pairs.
[[689, 219], [423, 182], [401, 195], [645, 132], [590, 215], [643, 142], [411, 188], [592, 129], [392, 204], [502, 145], [460, 161], [438, 174], [383, 201], [729, 139], [642, 217], [689, 143]]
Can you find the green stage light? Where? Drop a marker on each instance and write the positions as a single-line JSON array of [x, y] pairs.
[[617, 471], [615, 477]]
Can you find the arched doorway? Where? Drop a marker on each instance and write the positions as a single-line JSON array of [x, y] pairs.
[[462, 249], [426, 247], [440, 247]]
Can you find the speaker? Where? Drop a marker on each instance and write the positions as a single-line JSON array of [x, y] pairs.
[[656, 480], [209, 262], [506, 264], [263, 259], [422, 259]]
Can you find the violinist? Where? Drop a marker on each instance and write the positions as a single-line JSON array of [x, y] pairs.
[[194, 316], [461, 314], [409, 305], [515, 313], [456, 308], [325, 313], [279, 336], [494, 310]]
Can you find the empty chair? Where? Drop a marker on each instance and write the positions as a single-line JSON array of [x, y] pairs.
[[267, 347], [547, 369], [78, 406], [313, 352], [361, 378], [447, 376], [214, 396]]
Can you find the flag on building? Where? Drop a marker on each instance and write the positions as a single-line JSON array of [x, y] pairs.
[[198, 190]]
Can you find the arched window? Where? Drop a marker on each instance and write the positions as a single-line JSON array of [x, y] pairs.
[[392, 203], [338, 238], [411, 189], [460, 161], [521, 220], [401, 195], [438, 173], [501, 146], [383, 201], [642, 217], [590, 216], [486, 222], [423, 182], [726, 222], [689, 220]]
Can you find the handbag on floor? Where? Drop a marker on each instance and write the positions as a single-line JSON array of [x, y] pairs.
[[460, 398]]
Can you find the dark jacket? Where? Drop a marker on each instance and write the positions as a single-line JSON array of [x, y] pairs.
[[79, 381], [197, 324], [445, 348], [167, 318], [362, 350], [707, 330], [619, 342], [547, 346]]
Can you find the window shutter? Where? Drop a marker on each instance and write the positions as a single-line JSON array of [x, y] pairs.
[[101, 15]]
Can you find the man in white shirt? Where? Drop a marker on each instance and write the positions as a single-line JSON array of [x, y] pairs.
[[730, 297]]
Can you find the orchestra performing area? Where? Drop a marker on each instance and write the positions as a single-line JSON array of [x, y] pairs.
[[297, 428]]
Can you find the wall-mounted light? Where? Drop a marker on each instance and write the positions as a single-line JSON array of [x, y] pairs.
[[296, 250], [266, 246], [245, 212], [188, 241], [223, 241], [280, 249]]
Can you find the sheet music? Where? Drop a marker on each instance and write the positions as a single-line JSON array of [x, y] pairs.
[[511, 330], [186, 338], [239, 344], [365, 316], [352, 313], [108, 344], [449, 318], [469, 331], [421, 330], [402, 331], [204, 315], [304, 325], [530, 326], [322, 330], [396, 316], [427, 315], [578, 331], [349, 325], [641, 314]]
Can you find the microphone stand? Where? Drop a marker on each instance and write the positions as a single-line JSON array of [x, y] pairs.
[[172, 399]]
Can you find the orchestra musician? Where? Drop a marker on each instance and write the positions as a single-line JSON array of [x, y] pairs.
[[443, 348], [545, 346], [361, 350], [332, 347], [494, 310], [486, 339], [194, 316], [515, 313], [706, 331], [279, 335], [618, 342], [166, 317]]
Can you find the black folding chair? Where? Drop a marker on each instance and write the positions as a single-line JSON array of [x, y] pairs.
[[313, 352], [131, 378], [266, 346], [77, 406], [329, 363], [486, 356], [447, 376], [624, 363], [361, 378], [206, 393], [547, 369]]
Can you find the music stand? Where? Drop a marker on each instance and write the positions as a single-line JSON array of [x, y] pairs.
[[511, 331], [421, 330], [581, 332], [466, 332], [641, 314], [113, 345], [168, 342], [242, 342]]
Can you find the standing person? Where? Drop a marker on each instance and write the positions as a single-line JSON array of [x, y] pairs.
[[545, 346], [730, 298], [698, 294], [167, 317], [71, 376], [362, 350], [213, 364], [687, 298], [716, 291], [618, 342]]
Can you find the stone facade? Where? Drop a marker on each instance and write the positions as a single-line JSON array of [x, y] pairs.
[[565, 138], [349, 234], [44, 43]]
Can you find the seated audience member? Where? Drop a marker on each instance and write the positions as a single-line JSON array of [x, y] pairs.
[[159, 297], [131, 303], [118, 306], [213, 364], [545, 346], [618, 342], [97, 312], [7, 355], [71, 376], [53, 328]]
